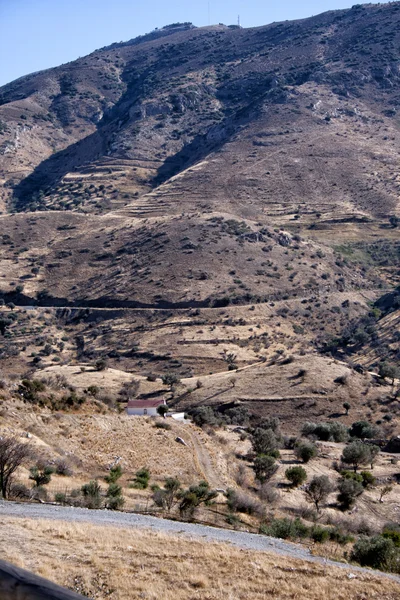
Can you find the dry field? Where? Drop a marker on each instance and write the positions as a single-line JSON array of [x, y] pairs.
[[118, 564], [91, 443]]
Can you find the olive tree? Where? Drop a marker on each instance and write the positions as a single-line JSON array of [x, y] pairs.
[[264, 467], [264, 441], [356, 454], [389, 371], [13, 454], [305, 451], [349, 490], [296, 475], [319, 489]]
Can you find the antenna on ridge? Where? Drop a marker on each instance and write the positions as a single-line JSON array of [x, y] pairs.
[[209, 13], [238, 20]]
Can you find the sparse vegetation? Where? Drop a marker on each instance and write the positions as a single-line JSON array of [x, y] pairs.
[[296, 475], [305, 451], [142, 478], [318, 490], [242, 266]]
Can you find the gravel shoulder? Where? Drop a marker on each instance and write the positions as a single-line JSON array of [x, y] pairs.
[[120, 519]]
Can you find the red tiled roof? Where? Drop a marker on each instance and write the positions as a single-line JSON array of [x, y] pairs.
[[149, 403]]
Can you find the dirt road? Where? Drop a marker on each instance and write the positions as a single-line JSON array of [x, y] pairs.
[[120, 519]]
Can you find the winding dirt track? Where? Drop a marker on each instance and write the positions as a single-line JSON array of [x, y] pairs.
[[203, 460]]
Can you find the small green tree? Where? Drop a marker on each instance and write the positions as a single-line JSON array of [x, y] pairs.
[[115, 499], [205, 415], [196, 495], [170, 379], [162, 410], [305, 451], [264, 441], [264, 467], [349, 490], [389, 371], [114, 474], [41, 473], [142, 478], [335, 432], [347, 407], [101, 364], [356, 454], [319, 489], [296, 475], [169, 495], [92, 494], [368, 480], [363, 430]]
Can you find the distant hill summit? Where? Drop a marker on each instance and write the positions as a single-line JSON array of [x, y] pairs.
[[158, 32], [320, 95]]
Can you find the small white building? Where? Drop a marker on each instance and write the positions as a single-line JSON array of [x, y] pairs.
[[148, 406]]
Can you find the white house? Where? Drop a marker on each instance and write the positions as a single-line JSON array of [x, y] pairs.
[[144, 407]]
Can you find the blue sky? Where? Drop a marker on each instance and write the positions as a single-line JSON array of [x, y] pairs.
[[37, 34]]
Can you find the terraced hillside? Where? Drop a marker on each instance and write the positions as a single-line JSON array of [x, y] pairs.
[[295, 115], [200, 187]]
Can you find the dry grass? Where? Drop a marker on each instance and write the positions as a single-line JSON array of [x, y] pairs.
[[123, 564], [91, 443]]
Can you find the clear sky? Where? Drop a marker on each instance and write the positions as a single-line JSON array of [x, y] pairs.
[[37, 34]]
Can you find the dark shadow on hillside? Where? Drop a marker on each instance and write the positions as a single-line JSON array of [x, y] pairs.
[[50, 171], [212, 141]]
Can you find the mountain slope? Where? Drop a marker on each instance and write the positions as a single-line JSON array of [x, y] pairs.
[[274, 109], [205, 168]]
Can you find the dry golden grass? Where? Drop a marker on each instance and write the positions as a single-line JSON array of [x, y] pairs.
[[108, 562], [90, 443]]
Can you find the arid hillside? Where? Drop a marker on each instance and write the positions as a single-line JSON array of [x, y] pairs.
[[208, 217], [294, 118], [211, 203], [98, 562], [201, 166]]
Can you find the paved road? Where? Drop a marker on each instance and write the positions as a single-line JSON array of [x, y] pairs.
[[120, 519]]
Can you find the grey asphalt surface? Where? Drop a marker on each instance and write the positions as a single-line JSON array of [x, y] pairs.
[[120, 519]]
